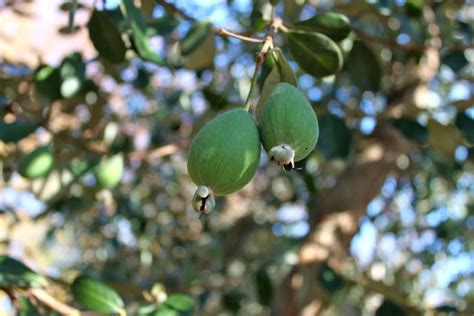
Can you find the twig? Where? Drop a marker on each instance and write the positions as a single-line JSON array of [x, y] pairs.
[[221, 31], [63, 309]]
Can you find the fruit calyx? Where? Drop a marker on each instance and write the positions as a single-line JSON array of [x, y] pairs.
[[283, 155], [203, 200]]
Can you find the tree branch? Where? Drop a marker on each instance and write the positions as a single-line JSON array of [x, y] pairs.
[[63, 309]]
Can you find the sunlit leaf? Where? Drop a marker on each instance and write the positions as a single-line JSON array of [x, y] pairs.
[[138, 26], [73, 75], [96, 296], [14, 273], [180, 302], [198, 47], [316, 53], [47, 82]]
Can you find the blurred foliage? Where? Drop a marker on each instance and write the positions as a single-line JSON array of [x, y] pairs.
[[378, 220]]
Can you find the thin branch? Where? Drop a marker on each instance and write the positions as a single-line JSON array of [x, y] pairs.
[[221, 31], [63, 309]]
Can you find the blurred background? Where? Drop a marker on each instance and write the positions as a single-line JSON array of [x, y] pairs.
[[378, 221]]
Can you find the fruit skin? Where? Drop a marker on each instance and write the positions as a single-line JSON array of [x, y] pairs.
[[288, 120], [109, 172], [37, 163], [225, 153]]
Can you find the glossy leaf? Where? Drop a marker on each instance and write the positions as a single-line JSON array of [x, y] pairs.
[[334, 25], [73, 75], [335, 138], [16, 131], [162, 26], [106, 37], [264, 287], [195, 37], [198, 47], [363, 74], [14, 273], [137, 24], [316, 53], [180, 302], [96, 296], [465, 124]]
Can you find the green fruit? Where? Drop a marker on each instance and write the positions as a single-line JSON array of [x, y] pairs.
[[288, 125], [223, 156], [37, 163], [109, 172]]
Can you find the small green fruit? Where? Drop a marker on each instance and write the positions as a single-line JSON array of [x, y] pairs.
[[37, 163], [109, 172], [223, 157], [288, 125]]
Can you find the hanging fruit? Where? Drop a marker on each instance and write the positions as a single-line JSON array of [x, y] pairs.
[[288, 125], [223, 157]]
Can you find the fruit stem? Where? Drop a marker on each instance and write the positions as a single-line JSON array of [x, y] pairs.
[[267, 45]]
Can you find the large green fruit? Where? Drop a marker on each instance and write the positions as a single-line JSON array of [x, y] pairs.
[[288, 125], [109, 172], [223, 156], [37, 163]]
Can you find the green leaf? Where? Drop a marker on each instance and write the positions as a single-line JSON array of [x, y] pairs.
[[16, 131], [264, 287], [456, 60], [162, 26], [180, 302], [136, 22], [96, 296], [411, 129], [106, 37], [316, 53], [335, 138], [363, 74], [195, 37], [329, 279], [466, 125], [198, 48], [73, 75], [47, 82], [281, 72], [26, 308], [14, 273], [334, 25]]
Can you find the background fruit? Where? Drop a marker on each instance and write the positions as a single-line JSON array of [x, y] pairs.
[[110, 171], [37, 163], [288, 118]]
